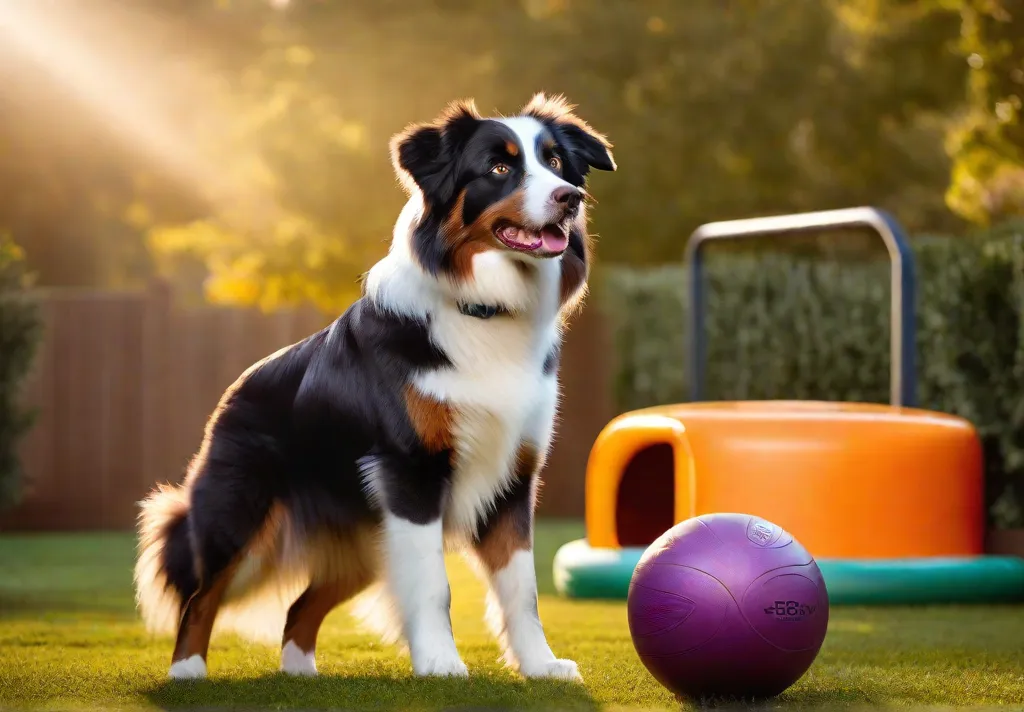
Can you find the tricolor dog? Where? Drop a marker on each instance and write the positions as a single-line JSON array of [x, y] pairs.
[[347, 464]]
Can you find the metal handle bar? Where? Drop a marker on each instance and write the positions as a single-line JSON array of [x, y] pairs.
[[902, 376]]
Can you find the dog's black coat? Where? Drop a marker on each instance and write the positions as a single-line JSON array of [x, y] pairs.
[[295, 428]]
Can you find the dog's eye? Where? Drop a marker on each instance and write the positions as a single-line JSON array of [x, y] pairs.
[[555, 162], [500, 169]]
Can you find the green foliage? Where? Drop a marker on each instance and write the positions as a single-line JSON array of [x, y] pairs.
[[19, 336], [987, 142], [242, 149], [786, 325]]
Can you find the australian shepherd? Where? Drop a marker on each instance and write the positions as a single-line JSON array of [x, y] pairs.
[[417, 423]]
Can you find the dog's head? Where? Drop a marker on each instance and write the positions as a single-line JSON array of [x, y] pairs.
[[514, 184]]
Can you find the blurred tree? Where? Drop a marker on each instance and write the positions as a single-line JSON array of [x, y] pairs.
[[277, 185], [20, 329], [69, 181], [987, 143], [61, 183], [766, 107], [985, 136], [315, 198]]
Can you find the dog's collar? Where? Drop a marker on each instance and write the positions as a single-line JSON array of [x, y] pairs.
[[482, 311]]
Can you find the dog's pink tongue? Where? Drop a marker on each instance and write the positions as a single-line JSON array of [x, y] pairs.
[[554, 240], [529, 240]]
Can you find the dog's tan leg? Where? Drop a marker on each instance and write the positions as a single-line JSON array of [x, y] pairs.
[[306, 615], [198, 616], [341, 566]]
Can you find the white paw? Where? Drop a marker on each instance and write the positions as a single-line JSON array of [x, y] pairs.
[[440, 665], [295, 662], [554, 670], [193, 668]]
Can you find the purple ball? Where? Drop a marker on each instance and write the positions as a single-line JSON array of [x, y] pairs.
[[727, 605]]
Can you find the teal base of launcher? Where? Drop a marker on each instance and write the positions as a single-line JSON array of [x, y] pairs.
[[585, 572]]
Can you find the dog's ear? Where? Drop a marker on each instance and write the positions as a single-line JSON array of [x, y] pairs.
[[588, 148], [424, 155]]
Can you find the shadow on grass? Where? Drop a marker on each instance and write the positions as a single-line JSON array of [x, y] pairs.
[[279, 691], [797, 699]]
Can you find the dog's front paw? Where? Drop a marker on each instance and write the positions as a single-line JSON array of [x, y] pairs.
[[440, 665], [554, 670]]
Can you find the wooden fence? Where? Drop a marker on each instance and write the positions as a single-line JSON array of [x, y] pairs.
[[124, 382]]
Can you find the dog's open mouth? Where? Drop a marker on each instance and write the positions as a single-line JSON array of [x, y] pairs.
[[549, 241]]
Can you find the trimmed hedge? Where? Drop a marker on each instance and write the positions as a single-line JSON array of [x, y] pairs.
[[787, 325], [20, 331]]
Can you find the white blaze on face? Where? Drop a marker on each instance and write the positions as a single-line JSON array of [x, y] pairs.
[[540, 181]]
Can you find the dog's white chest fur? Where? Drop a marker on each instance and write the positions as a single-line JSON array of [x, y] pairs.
[[496, 386], [498, 392]]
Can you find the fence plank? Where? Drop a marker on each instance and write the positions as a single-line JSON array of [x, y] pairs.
[[158, 433], [125, 453]]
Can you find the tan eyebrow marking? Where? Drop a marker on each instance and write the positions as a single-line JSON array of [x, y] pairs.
[[512, 148]]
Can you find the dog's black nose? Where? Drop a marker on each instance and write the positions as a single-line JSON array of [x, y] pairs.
[[567, 196]]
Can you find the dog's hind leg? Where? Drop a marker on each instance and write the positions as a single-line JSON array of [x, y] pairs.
[[341, 566], [197, 618], [298, 645], [228, 513]]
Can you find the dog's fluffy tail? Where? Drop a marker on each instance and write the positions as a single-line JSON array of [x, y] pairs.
[[276, 567], [256, 603], [165, 570]]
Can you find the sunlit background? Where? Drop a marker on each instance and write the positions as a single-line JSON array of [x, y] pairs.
[[234, 154], [240, 146]]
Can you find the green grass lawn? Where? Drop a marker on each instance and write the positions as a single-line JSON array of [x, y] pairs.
[[69, 638]]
